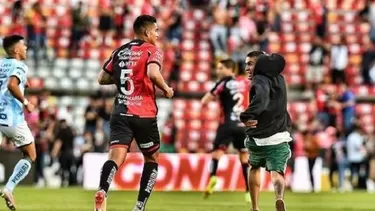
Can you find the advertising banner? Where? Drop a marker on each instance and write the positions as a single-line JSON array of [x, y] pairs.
[[190, 172]]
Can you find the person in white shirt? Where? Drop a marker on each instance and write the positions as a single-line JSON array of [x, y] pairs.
[[339, 61], [356, 151]]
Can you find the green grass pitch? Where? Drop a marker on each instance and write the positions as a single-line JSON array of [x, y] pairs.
[[76, 199]]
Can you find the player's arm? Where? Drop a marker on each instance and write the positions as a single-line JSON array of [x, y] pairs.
[[154, 64], [215, 91], [153, 72], [14, 89], [260, 91], [105, 75], [104, 78], [207, 98]]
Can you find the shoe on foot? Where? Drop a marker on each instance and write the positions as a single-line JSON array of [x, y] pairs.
[[210, 187], [9, 199], [100, 201], [280, 205], [247, 197]]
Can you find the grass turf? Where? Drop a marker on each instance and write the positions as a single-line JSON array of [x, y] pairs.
[[76, 199]]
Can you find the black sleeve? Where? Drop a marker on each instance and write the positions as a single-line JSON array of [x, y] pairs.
[[108, 64], [260, 98], [218, 88]]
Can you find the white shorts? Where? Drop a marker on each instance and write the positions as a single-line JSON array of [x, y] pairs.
[[315, 74], [20, 135]]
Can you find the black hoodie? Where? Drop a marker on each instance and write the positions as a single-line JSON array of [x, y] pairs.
[[268, 98]]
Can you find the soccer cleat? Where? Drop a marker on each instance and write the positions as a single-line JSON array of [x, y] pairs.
[[210, 187], [247, 197], [9, 199], [100, 201], [280, 205]]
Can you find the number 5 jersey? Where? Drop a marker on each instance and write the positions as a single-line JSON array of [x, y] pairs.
[[128, 68]]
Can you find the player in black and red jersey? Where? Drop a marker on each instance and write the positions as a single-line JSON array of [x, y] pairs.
[[135, 70], [233, 96]]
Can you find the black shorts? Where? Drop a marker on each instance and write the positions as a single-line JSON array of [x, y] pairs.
[[105, 23], [126, 128], [227, 134]]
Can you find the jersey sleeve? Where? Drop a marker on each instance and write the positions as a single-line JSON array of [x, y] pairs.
[[108, 65], [156, 56], [18, 71], [218, 88]]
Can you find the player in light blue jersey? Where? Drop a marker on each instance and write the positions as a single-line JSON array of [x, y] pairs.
[[13, 81]]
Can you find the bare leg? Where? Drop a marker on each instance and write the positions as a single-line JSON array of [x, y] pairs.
[[279, 186], [254, 185]]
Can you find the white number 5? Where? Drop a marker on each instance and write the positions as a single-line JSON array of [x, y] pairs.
[[126, 77]]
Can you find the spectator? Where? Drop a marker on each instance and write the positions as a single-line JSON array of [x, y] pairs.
[[105, 115], [311, 149], [168, 136], [320, 15], [368, 61], [174, 31], [367, 14], [120, 12], [17, 10], [263, 30], [321, 103], [275, 15], [63, 149], [91, 116], [218, 31], [36, 32], [17, 26], [105, 20], [315, 71], [339, 61], [248, 25], [336, 158], [347, 108], [333, 108], [356, 153], [80, 27]]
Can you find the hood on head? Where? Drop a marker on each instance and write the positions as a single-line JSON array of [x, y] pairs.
[[269, 65]]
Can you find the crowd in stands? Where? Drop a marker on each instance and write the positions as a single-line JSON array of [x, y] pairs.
[[331, 129]]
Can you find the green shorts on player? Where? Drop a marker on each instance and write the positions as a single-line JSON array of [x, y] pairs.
[[272, 157]]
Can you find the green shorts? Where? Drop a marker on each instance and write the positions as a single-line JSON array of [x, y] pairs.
[[272, 157]]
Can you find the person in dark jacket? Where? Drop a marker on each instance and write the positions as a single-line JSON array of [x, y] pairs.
[[268, 123]]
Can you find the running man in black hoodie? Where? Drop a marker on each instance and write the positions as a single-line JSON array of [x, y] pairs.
[[268, 122]]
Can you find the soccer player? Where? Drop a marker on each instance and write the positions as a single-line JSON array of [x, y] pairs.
[[268, 122], [135, 70], [233, 97], [13, 81]]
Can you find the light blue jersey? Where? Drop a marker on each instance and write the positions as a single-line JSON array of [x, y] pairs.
[[11, 110]]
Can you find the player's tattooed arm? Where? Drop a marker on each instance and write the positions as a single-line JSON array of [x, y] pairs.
[[104, 78]]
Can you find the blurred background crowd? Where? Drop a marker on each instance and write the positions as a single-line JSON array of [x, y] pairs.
[[329, 46]]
